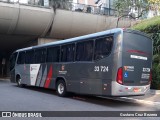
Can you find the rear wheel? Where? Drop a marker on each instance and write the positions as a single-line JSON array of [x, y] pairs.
[[61, 88]]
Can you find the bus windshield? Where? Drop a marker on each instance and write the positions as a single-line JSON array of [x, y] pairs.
[[13, 61]]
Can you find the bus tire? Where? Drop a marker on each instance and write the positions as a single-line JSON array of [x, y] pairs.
[[61, 88], [18, 80]]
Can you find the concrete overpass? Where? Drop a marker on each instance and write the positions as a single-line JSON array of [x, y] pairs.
[[24, 25]]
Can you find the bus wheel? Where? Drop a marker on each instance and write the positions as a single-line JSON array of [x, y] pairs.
[[19, 84], [61, 88]]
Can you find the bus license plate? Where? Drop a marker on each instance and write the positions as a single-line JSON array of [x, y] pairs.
[[137, 90]]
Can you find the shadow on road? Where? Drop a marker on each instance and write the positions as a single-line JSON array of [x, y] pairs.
[[108, 102]]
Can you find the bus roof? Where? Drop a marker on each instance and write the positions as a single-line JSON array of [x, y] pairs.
[[136, 32], [112, 31]]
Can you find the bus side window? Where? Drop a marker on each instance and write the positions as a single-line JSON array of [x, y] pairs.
[[67, 53], [103, 47], [53, 54], [84, 51], [40, 55], [71, 51], [29, 57], [21, 58]]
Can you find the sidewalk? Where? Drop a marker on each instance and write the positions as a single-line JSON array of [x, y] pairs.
[[155, 92], [151, 98], [5, 79]]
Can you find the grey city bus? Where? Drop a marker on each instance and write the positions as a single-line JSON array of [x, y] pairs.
[[114, 62]]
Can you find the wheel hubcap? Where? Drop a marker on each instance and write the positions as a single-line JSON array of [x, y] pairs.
[[19, 82], [60, 88]]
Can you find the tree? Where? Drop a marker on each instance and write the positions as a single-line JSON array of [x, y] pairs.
[[154, 1], [154, 6], [63, 4], [121, 6], [125, 7]]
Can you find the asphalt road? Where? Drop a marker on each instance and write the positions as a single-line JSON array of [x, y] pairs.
[[13, 98]]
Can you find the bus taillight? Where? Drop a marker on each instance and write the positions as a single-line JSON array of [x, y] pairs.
[[120, 75]]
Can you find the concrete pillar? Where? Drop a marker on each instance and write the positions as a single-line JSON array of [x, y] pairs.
[[45, 40], [8, 69]]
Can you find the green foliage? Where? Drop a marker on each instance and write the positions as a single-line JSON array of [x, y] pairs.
[[62, 4], [155, 84], [123, 6], [154, 1], [152, 28], [149, 25]]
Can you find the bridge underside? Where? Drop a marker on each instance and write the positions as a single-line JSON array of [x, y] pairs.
[[21, 26]]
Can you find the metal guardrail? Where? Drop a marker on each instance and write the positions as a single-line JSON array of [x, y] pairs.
[[65, 5], [84, 8]]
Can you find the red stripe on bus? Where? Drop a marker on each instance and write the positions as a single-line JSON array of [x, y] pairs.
[[49, 76], [137, 51]]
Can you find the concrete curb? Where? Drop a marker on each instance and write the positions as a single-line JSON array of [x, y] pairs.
[[5, 79], [134, 100]]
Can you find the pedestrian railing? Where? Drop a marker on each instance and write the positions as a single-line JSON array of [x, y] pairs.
[[65, 5]]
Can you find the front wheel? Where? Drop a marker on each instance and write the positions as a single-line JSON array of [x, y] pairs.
[[19, 84], [61, 88]]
